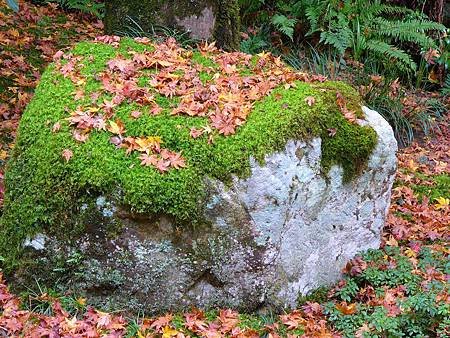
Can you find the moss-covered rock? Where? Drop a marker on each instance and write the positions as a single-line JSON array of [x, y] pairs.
[[104, 194]]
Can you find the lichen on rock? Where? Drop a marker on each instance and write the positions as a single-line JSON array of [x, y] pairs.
[[190, 220]]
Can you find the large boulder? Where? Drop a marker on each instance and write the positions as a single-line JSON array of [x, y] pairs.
[[250, 213]]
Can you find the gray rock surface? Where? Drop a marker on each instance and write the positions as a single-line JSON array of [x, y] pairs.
[[283, 231]]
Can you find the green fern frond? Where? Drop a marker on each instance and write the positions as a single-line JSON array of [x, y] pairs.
[[340, 39], [379, 9], [420, 26], [313, 15], [445, 91], [402, 31], [284, 24], [388, 51]]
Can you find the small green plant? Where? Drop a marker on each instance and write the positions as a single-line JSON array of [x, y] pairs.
[[284, 24], [255, 41], [327, 62], [404, 299], [159, 33], [383, 95]]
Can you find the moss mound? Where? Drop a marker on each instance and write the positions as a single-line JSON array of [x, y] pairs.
[[46, 192]]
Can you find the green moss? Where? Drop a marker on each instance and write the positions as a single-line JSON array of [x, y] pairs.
[[45, 192], [319, 295]]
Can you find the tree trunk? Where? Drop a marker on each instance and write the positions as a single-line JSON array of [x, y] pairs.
[[433, 8], [204, 19]]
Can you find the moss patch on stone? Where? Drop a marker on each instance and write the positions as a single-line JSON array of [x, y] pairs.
[[44, 192]]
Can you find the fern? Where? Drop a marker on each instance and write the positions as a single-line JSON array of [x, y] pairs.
[[360, 26], [411, 31], [379, 9], [385, 50], [340, 40], [87, 6], [284, 25], [312, 14], [445, 91]]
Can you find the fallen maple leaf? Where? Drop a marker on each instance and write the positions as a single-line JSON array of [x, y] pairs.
[[162, 165], [56, 127], [442, 203], [67, 154], [169, 332], [135, 114], [161, 322], [293, 320], [346, 309], [116, 140], [116, 127], [80, 137], [392, 241], [310, 100], [148, 160], [332, 132]]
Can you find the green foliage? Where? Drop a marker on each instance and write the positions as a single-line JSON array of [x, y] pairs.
[[42, 188], [157, 32], [425, 119], [440, 187], [365, 28], [419, 313], [284, 24], [92, 7], [319, 295], [255, 43], [445, 91], [327, 62], [391, 108], [282, 15], [371, 27]]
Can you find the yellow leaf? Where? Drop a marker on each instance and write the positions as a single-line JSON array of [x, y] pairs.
[[442, 203], [71, 323], [411, 166], [169, 332], [165, 63], [410, 253], [3, 155], [14, 32], [93, 109], [392, 241], [433, 77], [81, 301], [116, 127]]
